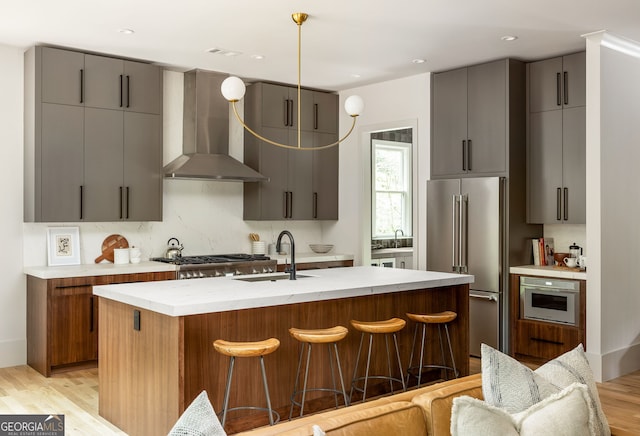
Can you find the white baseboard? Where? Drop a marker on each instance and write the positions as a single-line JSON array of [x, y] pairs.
[[13, 352], [615, 363]]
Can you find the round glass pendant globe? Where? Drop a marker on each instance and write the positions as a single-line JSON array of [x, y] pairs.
[[354, 105], [233, 88]]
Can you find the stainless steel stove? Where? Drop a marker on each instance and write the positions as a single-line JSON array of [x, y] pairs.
[[218, 265]]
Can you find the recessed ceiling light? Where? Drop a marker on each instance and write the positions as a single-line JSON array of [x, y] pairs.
[[223, 52], [257, 57], [127, 31], [418, 61], [509, 38], [355, 75]]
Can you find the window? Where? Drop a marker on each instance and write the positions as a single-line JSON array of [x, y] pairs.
[[391, 188]]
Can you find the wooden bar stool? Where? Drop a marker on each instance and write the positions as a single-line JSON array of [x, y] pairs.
[[247, 349], [386, 327], [441, 318], [330, 337]]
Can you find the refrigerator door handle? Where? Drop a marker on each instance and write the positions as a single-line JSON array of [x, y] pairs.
[[484, 297], [463, 239], [454, 233]]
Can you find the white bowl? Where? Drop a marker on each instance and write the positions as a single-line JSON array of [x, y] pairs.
[[321, 248]]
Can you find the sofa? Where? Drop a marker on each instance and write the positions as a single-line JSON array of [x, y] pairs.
[[423, 411]]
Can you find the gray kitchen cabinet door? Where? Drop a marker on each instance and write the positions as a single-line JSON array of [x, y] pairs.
[[274, 161], [449, 122], [142, 195], [545, 85], [103, 82], [142, 88], [545, 168], [487, 118], [325, 112], [326, 165], [277, 106], [104, 154], [574, 66], [62, 76], [300, 183], [62, 163], [574, 175]]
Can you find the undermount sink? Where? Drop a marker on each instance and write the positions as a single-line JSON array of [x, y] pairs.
[[269, 278]]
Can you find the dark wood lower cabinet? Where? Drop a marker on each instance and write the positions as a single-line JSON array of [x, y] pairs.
[[540, 341], [62, 319]]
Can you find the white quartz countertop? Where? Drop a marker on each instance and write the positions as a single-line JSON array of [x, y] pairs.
[[220, 294], [96, 269], [312, 257], [548, 271]]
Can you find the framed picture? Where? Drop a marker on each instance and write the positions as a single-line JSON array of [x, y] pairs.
[[63, 246]]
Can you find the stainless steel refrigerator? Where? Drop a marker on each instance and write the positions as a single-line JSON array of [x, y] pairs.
[[469, 231]]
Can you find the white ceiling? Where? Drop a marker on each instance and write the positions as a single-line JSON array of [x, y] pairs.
[[376, 40]]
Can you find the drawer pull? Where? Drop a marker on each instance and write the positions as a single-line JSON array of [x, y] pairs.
[[547, 341]]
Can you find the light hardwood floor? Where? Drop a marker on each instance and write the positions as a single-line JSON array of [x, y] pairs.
[[75, 394]]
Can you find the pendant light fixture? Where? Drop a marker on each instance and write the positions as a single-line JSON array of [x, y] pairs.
[[233, 89]]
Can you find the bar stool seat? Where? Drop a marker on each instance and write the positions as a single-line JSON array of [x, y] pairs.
[[308, 337], [386, 327], [438, 319], [247, 349]]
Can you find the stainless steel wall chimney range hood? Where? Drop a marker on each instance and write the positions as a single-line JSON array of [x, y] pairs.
[[205, 138]]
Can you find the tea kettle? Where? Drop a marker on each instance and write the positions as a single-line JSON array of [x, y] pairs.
[[575, 250], [174, 249]]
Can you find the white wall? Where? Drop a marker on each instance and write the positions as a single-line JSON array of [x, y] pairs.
[[389, 105], [613, 207], [12, 295]]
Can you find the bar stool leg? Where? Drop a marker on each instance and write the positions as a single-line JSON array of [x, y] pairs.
[[344, 392], [227, 390], [306, 378], [386, 344], [333, 375], [266, 389], [297, 382], [413, 347], [453, 362], [404, 385], [424, 333], [444, 360], [355, 368], [366, 374]]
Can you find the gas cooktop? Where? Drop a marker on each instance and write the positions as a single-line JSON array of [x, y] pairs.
[[214, 258]]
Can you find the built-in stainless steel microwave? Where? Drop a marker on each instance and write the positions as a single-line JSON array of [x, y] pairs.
[[550, 300]]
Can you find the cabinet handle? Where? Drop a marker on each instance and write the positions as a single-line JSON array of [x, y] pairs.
[[127, 202], [81, 201], [566, 204], [558, 204], [290, 215], [120, 202], [285, 201], [464, 155], [566, 91], [315, 116], [128, 91], [285, 112], [547, 341], [120, 90], [558, 90], [469, 154], [315, 205], [290, 113], [91, 314], [81, 85]]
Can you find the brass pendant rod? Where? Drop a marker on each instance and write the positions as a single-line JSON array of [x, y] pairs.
[[299, 75]]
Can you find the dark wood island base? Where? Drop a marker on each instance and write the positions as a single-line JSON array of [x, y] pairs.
[[147, 377]]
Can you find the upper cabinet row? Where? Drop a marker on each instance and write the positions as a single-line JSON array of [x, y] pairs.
[[557, 140], [93, 138], [303, 183], [478, 118], [470, 120]]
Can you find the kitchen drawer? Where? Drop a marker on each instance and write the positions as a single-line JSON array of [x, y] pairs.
[[545, 340]]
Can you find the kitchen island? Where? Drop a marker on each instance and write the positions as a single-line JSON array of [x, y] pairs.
[[155, 344]]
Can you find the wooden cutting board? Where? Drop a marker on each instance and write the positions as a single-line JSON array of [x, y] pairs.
[[109, 244]]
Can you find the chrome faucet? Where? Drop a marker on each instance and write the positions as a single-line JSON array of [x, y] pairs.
[[292, 269], [395, 237]]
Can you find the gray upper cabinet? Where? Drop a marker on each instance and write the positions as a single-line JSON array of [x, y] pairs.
[[303, 183], [89, 157], [469, 128], [557, 83], [556, 175]]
